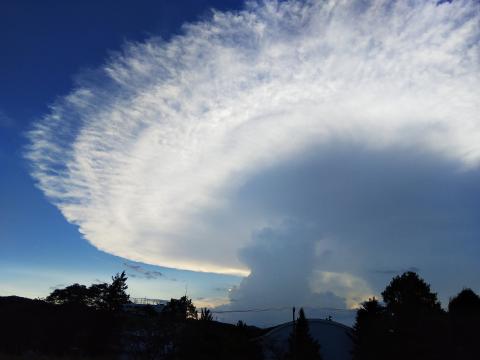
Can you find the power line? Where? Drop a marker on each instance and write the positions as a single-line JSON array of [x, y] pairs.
[[283, 308], [249, 310]]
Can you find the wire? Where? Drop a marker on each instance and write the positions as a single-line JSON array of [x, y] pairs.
[[249, 310], [274, 309]]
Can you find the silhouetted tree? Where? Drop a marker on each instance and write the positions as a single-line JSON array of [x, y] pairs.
[[241, 324], [464, 320], [370, 332], [408, 294], [180, 309], [115, 296], [301, 345], [98, 295], [102, 296], [410, 325], [75, 294], [416, 321], [466, 302], [206, 314]]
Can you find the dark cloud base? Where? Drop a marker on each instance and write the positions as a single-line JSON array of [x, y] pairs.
[[369, 213]]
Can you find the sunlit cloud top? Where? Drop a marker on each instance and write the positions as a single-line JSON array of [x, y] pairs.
[[142, 152]]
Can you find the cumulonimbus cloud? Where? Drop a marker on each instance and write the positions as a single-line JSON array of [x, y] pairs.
[[143, 152]]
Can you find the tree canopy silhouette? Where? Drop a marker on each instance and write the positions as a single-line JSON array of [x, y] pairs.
[[74, 294], [408, 294], [115, 295], [464, 320], [370, 325], [103, 296], [466, 301], [410, 325], [180, 309]]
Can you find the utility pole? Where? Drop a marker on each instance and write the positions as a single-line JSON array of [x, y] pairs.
[[294, 335]]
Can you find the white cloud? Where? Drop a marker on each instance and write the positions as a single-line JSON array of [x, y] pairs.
[[353, 289], [147, 158]]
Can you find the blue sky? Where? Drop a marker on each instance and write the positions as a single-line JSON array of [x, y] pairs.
[[46, 45], [267, 154]]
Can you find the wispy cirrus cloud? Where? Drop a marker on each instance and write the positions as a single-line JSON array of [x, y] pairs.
[[140, 271], [149, 157]]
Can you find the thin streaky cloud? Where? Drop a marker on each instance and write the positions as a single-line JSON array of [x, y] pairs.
[[140, 271]]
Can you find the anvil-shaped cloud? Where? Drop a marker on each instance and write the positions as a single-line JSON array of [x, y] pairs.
[[150, 155]]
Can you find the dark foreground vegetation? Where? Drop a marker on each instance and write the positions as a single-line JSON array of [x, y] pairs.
[[98, 322], [410, 324]]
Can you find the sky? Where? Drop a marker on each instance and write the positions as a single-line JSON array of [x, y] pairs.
[[255, 155]]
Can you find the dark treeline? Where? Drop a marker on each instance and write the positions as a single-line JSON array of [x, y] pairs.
[[177, 332], [72, 322], [410, 324], [99, 322]]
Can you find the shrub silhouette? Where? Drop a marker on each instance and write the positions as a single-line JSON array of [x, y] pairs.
[[206, 315]]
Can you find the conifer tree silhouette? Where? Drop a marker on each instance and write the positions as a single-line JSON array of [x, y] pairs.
[[301, 345]]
